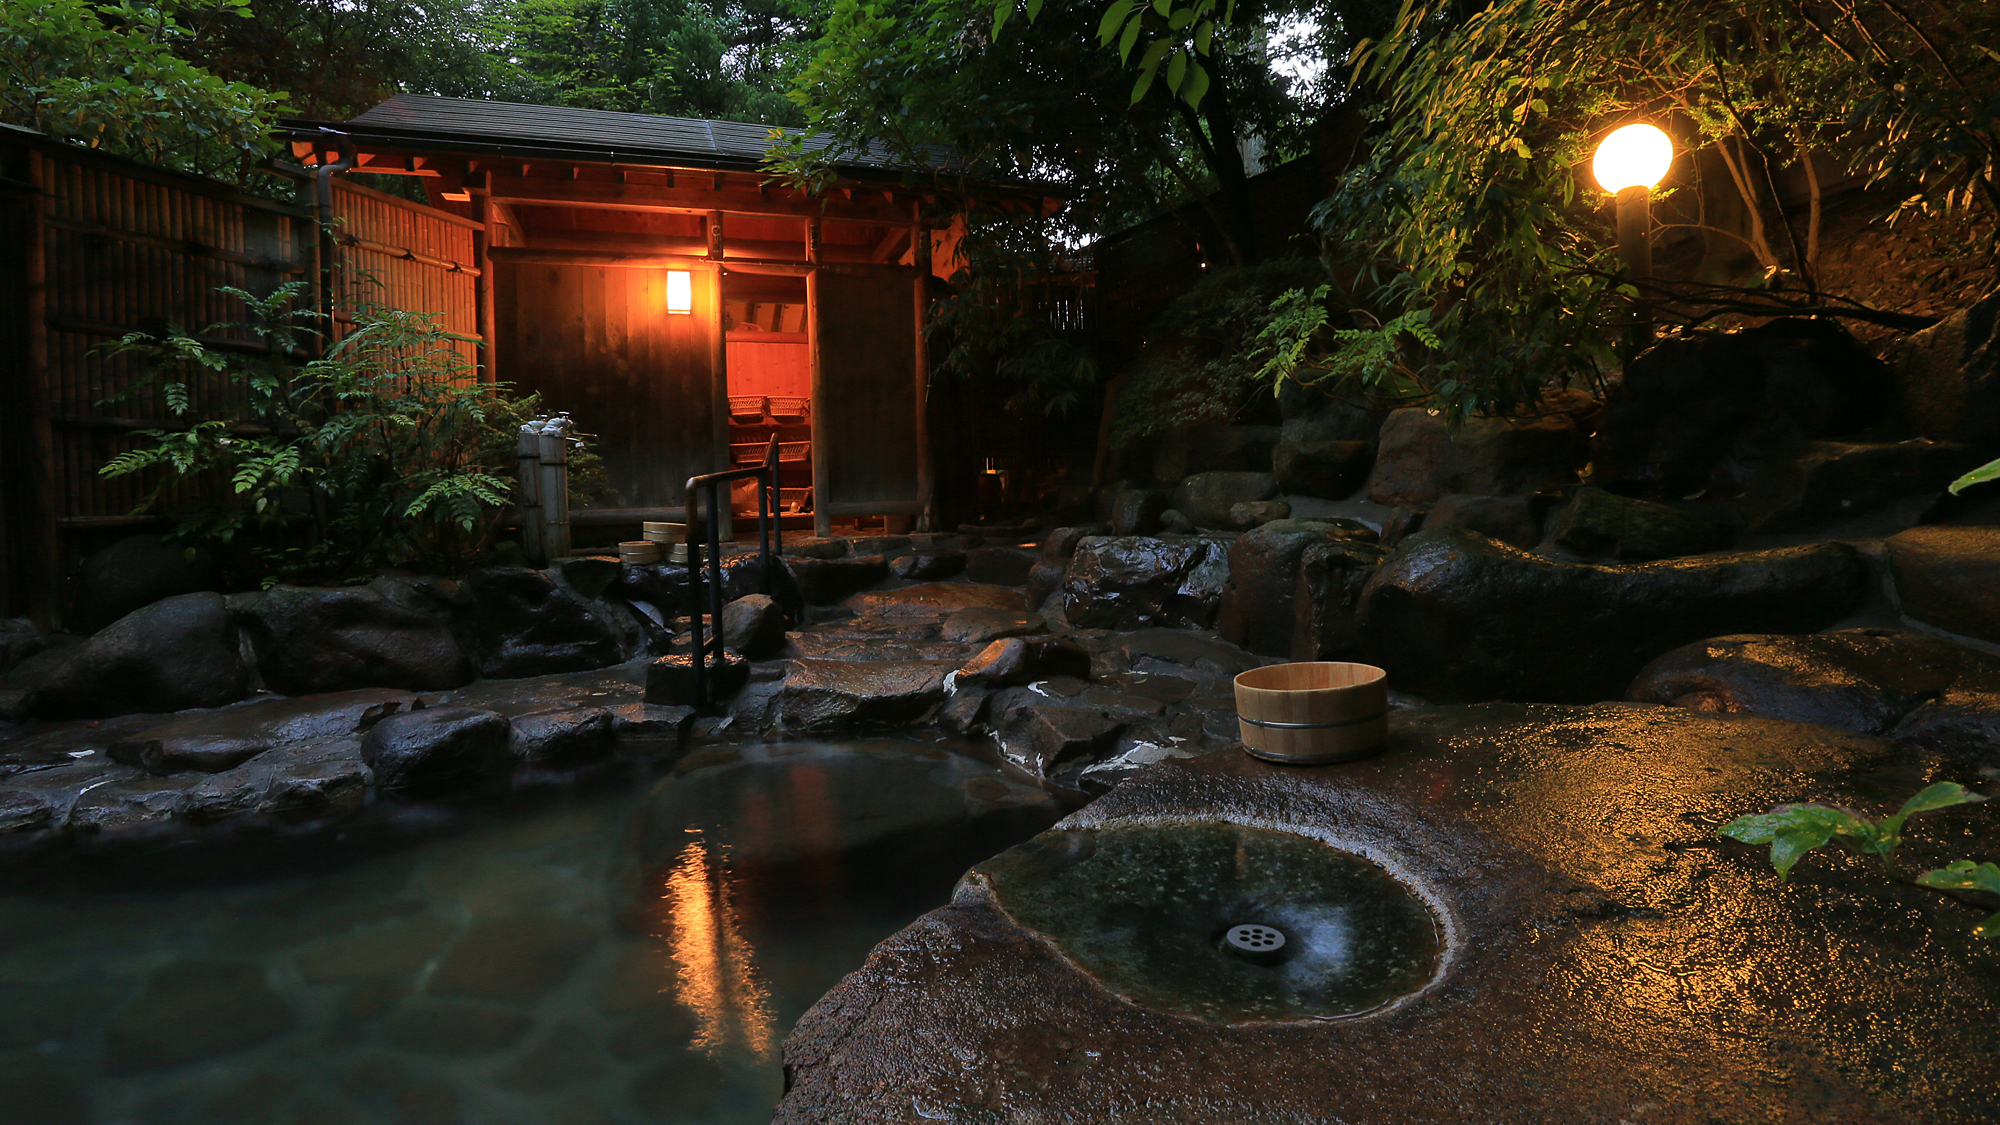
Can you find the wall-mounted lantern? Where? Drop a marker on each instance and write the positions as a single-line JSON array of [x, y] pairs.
[[680, 291], [1627, 164]]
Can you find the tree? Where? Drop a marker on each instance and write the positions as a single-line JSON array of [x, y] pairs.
[[107, 75], [333, 58], [1482, 258], [725, 59], [1042, 99]]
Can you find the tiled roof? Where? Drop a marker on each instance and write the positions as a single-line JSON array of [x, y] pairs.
[[508, 128]]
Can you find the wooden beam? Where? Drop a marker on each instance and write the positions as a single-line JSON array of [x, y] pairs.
[[638, 259], [890, 247], [679, 201], [177, 245]]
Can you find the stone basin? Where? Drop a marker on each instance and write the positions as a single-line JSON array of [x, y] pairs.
[[1147, 909], [1607, 957]]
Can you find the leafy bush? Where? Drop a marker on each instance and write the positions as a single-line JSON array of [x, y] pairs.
[[384, 450], [105, 75], [1203, 357]]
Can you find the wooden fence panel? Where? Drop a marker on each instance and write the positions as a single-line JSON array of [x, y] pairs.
[[408, 256]]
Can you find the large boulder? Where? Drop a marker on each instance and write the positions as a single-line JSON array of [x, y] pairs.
[[135, 572], [1510, 519], [1420, 459], [1137, 510], [569, 736], [1205, 498], [1949, 577], [1596, 522], [1211, 449], [1135, 582], [928, 566], [1311, 415], [177, 653], [1000, 566], [845, 695], [1863, 680], [1331, 470], [1061, 542], [1704, 410], [1832, 480], [437, 748], [1327, 602], [827, 581], [1457, 617], [320, 639], [1948, 376], [527, 624], [754, 626], [1257, 610]]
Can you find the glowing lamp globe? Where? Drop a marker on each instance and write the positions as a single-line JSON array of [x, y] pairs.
[[1634, 156]]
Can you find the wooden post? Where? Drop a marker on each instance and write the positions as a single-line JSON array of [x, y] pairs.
[[718, 388], [40, 555], [529, 454], [822, 519], [554, 441], [920, 252], [482, 244]]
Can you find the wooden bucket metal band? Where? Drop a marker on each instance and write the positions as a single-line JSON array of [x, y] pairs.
[[1274, 724]]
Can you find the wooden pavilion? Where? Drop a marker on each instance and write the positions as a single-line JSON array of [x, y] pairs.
[[645, 276]]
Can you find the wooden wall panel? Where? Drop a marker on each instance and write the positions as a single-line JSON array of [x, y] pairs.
[[769, 363], [865, 416], [597, 342]]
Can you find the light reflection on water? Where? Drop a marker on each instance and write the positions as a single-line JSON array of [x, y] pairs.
[[715, 965]]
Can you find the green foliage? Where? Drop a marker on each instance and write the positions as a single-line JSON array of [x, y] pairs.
[[1794, 830], [724, 59], [105, 74], [945, 86], [1965, 875], [1202, 358], [1473, 201], [1180, 37], [1987, 472], [382, 451]]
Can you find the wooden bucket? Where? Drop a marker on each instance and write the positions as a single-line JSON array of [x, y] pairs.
[[1314, 713], [640, 552]]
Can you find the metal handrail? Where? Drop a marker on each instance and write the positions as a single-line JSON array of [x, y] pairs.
[[769, 534]]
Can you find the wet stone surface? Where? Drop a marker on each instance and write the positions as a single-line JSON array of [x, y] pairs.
[[1607, 957], [1147, 909]]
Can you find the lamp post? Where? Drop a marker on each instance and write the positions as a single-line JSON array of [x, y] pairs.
[[1627, 164]]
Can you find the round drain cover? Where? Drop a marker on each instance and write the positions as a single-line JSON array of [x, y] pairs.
[[1255, 939]]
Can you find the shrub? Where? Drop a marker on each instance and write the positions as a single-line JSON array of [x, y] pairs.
[[384, 450]]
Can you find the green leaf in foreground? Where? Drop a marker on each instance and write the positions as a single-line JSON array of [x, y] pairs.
[[1987, 472], [1794, 830], [1966, 875]]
